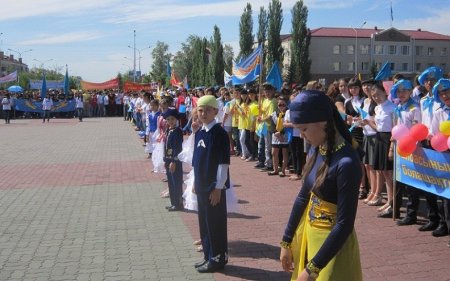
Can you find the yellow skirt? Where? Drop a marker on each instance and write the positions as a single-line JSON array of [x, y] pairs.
[[312, 231]]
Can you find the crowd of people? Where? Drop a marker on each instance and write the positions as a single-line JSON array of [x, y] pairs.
[[274, 130]]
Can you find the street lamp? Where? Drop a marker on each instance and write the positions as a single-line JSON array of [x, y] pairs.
[[20, 53], [140, 57], [356, 47], [42, 62]]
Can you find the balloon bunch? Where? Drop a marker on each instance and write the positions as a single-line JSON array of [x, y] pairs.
[[441, 141], [407, 138]]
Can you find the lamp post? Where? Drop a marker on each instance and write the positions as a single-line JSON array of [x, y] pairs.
[[20, 52], [42, 62], [356, 47], [140, 57]]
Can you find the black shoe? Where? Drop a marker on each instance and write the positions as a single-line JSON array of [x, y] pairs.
[[200, 263], [407, 221], [259, 165], [362, 194], [210, 267], [175, 209], [440, 231], [168, 207], [387, 213], [267, 168], [429, 226]]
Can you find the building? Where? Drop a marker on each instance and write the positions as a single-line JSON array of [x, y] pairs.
[[9, 64], [333, 55]]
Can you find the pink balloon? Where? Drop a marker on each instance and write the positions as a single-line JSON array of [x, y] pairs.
[[399, 131], [439, 142], [448, 143]]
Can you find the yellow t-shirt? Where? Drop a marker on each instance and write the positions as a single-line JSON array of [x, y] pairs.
[[253, 111], [243, 116], [268, 107], [234, 112]]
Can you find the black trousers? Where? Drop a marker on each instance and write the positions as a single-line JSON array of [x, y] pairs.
[[7, 114], [446, 204], [212, 221], [237, 143], [296, 147], [175, 182], [413, 201]]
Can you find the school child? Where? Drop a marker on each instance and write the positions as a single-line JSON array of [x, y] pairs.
[[174, 168], [227, 118], [47, 104], [252, 114], [152, 118], [279, 139], [6, 104], [242, 124], [210, 161], [234, 113]]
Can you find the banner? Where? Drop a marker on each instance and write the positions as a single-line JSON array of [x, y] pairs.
[[425, 169], [248, 69], [36, 106], [136, 87], [9, 78], [111, 84], [51, 84]]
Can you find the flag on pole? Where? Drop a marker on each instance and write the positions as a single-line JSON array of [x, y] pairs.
[[226, 78], [66, 82], [9, 78], [174, 80], [44, 87], [392, 13], [384, 73], [274, 76], [185, 83], [248, 69], [169, 69]]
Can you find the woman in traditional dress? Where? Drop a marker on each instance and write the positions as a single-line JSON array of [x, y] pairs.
[[320, 242]]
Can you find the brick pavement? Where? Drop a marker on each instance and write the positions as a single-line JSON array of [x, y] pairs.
[[98, 215]]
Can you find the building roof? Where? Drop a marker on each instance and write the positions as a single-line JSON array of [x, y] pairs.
[[367, 32]]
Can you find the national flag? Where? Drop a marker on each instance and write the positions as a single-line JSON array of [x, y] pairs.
[[384, 73], [185, 83], [66, 82], [169, 69], [44, 87], [274, 76], [392, 13], [174, 80], [248, 69], [226, 78]]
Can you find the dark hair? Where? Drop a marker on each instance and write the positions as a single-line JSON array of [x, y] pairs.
[[398, 76], [354, 82], [154, 102], [378, 86]]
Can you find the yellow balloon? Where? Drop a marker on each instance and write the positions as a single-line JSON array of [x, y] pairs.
[[444, 128]]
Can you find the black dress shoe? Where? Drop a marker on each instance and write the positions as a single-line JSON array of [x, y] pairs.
[[174, 209], [210, 267], [429, 226], [440, 231], [200, 263], [362, 194], [259, 165], [407, 221]]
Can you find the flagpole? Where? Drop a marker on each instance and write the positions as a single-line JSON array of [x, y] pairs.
[[261, 64]]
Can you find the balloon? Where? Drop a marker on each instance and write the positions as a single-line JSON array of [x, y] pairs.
[[399, 131], [439, 142], [407, 145], [448, 143], [444, 128], [419, 132], [402, 154]]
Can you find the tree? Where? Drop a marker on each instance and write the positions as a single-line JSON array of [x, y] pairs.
[[161, 56], [200, 58], [246, 32], [262, 32], [300, 66], [228, 56], [274, 48], [217, 62]]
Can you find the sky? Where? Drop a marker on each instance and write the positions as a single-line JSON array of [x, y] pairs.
[[93, 37]]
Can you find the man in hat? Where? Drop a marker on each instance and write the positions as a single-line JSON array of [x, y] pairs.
[[174, 168], [210, 161]]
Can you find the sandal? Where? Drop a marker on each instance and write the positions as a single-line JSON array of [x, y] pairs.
[[197, 242], [273, 173], [370, 196], [281, 174], [295, 178], [385, 206], [377, 201]]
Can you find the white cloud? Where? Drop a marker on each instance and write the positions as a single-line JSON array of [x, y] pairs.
[[49, 39], [437, 21]]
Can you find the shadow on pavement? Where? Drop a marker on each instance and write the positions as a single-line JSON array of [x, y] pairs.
[[242, 216], [255, 250], [248, 273]]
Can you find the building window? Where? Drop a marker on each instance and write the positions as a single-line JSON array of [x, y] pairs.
[[430, 51], [337, 66], [336, 49], [405, 66], [392, 50], [418, 66], [405, 50], [378, 49], [351, 66], [364, 66], [419, 50], [350, 49], [444, 66], [392, 65], [364, 49], [444, 52]]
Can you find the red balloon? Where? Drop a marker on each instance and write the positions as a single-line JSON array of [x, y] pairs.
[[407, 144], [419, 132], [439, 142], [402, 154]]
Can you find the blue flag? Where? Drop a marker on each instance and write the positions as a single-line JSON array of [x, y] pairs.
[[169, 69], [44, 87], [248, 69], [66, 82], [384, 73], [274, 76]]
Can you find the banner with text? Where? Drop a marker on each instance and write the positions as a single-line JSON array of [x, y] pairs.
[[136, 87], [425, 169], [51, 84], [111, 84], [9, 78], [36, 106]]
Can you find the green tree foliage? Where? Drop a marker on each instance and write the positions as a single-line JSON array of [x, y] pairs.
[[217, 59], [160, 55], [274, 48], [246, 32], [300, 66], [228, 55], [200, 58]]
